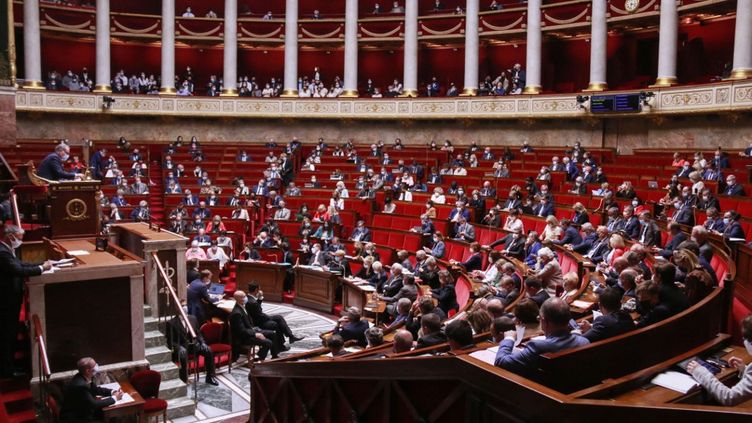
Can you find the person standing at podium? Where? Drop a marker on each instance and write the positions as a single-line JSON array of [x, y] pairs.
[[15, 272], [52, 166]]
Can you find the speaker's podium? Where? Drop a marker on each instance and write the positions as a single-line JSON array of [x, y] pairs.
[[71, 209]]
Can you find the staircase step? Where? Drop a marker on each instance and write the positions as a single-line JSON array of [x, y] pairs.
[[154, 338], [180, 407], [172, 388], [150, 324], [167, 370], [147, 310], [158, 355]]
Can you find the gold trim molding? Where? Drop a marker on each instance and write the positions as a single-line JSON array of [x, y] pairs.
[[727, 96]]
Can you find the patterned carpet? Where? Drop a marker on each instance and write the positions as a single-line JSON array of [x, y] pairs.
[[230, 401]]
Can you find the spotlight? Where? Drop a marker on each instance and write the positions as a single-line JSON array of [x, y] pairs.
[[582, 101], [645, 97], [107, 102]]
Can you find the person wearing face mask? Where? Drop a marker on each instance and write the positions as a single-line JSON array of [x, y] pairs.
[[732, 228], [707, 200], [683, 213], [318, 258], [52, 166], [83, 400], [15, 272], [728, 396], [732, 188]]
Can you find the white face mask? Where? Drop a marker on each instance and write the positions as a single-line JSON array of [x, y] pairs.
[[96, 368], [748, 346], [15, 243]]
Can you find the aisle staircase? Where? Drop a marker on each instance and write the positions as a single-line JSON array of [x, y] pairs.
[[16, 402], [156, 197], [172, 389]]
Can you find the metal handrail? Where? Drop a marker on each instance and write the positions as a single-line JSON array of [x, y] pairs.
[[174, 296], [43, 359], [14, 206]]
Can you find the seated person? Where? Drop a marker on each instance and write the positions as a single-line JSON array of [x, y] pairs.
[[409, 290], [445, 295], [275, 322], [419, 310], [178, 337], [403, 342], [374, 337], [614, 321], [83, 400], [245, 333], [534, 290], [737, 394], [554, 322], [351, 327], [336, 346], [650, 307], [459, 334]]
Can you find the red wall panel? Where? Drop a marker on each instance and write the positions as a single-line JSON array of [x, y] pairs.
[[62, 55], [383, 66], [331, 62], [263, 64]]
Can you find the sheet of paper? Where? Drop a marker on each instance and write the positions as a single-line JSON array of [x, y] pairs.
[[63, 261], [126, 398], [111, 386], [520, 334], [78, 253], [53, 269], [486, 356], [582, 304], [367, 288], [679, 382]]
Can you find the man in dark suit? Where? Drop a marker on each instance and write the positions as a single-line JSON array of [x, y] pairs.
[[487, 191], [733, 228], [587, 241], [683, 214], [178, 337], [318, 257], [571, 234], [392, 285], [430, 324], [244, 332], [600, 246], [97, 163], [534, 290], [732, 188], [677, 237], [351, 327], [198, 295], [80, 399], [273, 322], [360, 233], [14, 273], [632, 223], [544, 208], [52, 166], [514, 246], [613, 322], [650, 234], [191, 271]]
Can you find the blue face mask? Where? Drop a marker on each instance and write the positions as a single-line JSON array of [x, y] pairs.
[[726, 220]]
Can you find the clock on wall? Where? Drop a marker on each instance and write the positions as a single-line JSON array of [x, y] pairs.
[[632, 5]]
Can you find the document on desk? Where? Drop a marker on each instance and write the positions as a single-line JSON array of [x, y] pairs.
[[486, 356], [78, 253], [676, 381], [582, 304], [63, 261], [126, 398]]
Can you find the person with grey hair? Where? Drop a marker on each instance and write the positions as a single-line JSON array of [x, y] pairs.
[[141, 213], [52, 167], [15, 272], [548, 270], [555, 324], [83, 400], [351, 327], [403, 342], [374, 337], [403, 312]]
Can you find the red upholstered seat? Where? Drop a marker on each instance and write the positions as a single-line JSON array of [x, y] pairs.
[[212, 333], [146, 383], [154, 405]]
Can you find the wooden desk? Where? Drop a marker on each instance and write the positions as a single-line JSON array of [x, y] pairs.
[[269, 276], [361, 296], [135, 408], [315, 288]]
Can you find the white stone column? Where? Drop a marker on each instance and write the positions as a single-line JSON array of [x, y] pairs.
[[471, 48], [410, 74], [32, 46], [168, 47], [103, 76], [598, 45], [351, 49], [668, 39], [533, 54], [291, 49], [230, 77], [743, 41]]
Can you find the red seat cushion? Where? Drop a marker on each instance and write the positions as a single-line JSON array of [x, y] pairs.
[[153, 405], [220, 348]]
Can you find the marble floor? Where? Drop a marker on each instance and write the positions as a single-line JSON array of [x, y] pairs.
[[231, 398]]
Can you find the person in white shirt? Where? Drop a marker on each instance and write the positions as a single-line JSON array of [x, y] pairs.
[[268, 16], [188, 13], [342, 190], [514, 223], [460, 171], [216, 253], [438, 196]]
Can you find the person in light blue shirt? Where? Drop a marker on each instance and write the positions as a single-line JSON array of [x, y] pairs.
[[555, 324]]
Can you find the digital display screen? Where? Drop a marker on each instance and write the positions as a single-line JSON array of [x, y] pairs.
[[615, 103]]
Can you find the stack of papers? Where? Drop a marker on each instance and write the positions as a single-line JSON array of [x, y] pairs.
[[78, 253], [486, 356], [676, 381], [582, 304]]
